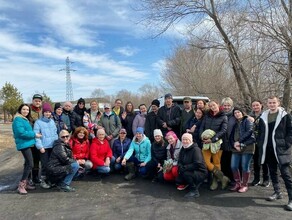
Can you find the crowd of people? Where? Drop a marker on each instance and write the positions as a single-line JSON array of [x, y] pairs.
[[212, 142]]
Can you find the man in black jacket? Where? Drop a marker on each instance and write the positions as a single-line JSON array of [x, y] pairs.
[[151, 120], [275, 142]]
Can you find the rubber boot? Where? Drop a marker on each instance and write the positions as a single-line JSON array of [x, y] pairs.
[[237, 179], [244, 186], [28, 186], [131, 169], [214, 183], [21, 188], [224, 179], [193, 193]]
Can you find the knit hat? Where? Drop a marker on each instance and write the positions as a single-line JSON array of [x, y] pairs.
[[37, 96], [187, 136], [155, 102], [57, 105], [81, 100], [140, 130], [157, 132], [171, 133], [168, 96], [239, 109], [46, 107]]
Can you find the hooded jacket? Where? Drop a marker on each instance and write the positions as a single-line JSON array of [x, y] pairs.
[[281, 137], [22, 132], [111, 123], [80, 150], [142, 149]]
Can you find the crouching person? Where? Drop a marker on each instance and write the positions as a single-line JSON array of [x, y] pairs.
[[191, 167], [100, 153], [61, 167], [142, 147]]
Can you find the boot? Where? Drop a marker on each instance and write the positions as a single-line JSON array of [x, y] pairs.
[[21, 188], [28, 186], [224, 179], [35, 176], [131, 169], [245, 178], [237, 179], [193, 193], [214, 184]]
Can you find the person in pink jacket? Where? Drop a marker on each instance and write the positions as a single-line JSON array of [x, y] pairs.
[[100, 153]]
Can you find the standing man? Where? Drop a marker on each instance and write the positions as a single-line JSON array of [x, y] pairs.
[[151, 120], [169, 116], [274, 141], [186, 114], [67, 116], [36, 113]]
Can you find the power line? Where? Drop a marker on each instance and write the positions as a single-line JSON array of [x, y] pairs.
[[69, 90]]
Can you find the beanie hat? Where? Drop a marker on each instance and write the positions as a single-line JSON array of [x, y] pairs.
[[46, 107], [155, 102], [81, 100], [171, 133], [239, 109], [157, 132], [57, 105], [187, 136], [140, 130], [168, 96]]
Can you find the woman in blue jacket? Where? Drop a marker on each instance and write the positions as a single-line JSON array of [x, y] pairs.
[[142, 147], [47, 127], [24, 140], [242, 141]]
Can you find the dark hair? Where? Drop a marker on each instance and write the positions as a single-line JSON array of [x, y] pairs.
[[256, 100], [203, 112], [29, 112], [118, 100], [142, 105], [129, 102]]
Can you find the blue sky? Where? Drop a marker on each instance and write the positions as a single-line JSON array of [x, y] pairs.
[[109, 49]]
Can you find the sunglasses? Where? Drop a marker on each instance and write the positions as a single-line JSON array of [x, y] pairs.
[[66, 136]]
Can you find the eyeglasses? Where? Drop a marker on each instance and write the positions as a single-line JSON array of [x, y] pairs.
[[122, 133], [66, 136]]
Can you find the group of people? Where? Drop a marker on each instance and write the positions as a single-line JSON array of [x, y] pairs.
[[185, 145]]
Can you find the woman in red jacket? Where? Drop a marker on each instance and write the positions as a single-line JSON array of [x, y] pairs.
[[100, 153], [80, 147]]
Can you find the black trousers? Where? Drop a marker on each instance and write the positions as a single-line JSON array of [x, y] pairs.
[[286, 173], [257, 167], [28, 163], [226, 164], [191, 178], [44, 160], [36, 158]]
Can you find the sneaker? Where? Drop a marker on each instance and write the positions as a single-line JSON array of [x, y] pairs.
[[255, 182], [274, 197], [66, 188], [44, 185], [288, 207], [182, 187], [266, 183]]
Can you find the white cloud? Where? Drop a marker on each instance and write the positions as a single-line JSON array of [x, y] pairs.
[[127, 51]]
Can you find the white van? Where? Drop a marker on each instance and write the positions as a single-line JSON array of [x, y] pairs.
[[179, 100]]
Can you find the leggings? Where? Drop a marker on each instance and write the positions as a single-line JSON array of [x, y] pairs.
[[28, 163]]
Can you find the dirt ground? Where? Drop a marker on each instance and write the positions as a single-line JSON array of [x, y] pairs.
[[6, 138], [114, 198]]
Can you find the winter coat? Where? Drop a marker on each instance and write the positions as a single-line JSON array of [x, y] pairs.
[[77, 117], [36, 113], [172, 118], [112, 124], [59, 165], [191, 159], [80, 150], [246, 136], [217, 123], [121, 148], [68, 119], [127, 124], [231, 121], [142, 150], [177, 149], [139, 121], [185, 118], [99, 152], [158, 153], [196, 133], [58, 122], [22, 132], [48, 129], [150, 125], [281, 137]]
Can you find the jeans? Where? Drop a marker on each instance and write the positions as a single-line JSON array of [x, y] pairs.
[[69, 177], [245, 160], [115, 165], [28, 163], [105, 169]]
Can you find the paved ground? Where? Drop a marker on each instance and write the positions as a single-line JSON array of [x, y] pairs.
[[114, 198]]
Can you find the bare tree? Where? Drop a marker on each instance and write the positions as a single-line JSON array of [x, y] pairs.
[[97, 93]]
